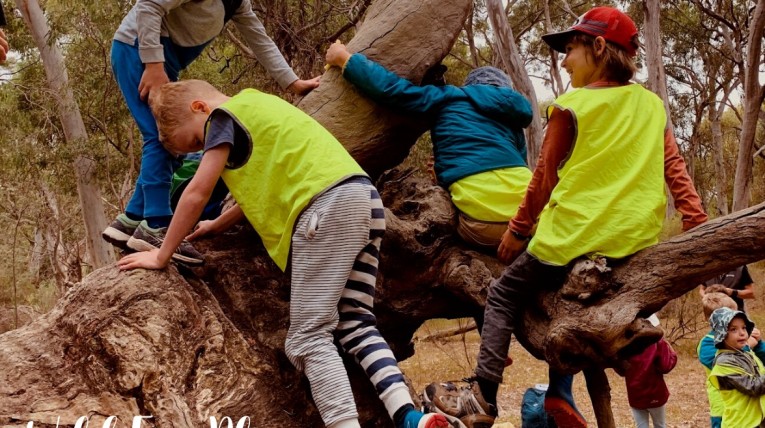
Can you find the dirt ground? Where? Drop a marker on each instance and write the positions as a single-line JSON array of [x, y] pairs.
[[454, 359]]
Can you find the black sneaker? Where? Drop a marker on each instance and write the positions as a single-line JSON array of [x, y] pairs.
[[145, 239], [120, 230]]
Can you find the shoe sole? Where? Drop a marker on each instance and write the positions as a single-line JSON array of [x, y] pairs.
[[141, 245], [564, 415], [477, 421], [437, 420], [115, 237]]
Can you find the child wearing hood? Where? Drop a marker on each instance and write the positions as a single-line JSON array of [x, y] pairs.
[[707, 351], [478, 143], [738, 373], [647, 391]]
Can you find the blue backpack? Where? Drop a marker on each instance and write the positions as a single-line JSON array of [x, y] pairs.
[[533, 413]]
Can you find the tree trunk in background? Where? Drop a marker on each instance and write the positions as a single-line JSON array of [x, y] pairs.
[[183, 346], [53, 240], [718, 151], [754, 93], [471, 37], [556, 83], [100, 251], [36, 257], [513, 63], [657, 80]]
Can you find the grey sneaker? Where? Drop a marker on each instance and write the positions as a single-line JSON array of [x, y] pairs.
[[145, 239], [120, 230]]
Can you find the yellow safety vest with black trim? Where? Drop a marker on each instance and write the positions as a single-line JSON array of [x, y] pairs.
[[610, 198], [292, 160]]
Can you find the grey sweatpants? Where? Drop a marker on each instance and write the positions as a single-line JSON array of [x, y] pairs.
[[335, 253]]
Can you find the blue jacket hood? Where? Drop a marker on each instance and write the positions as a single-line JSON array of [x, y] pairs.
[[492, 102]]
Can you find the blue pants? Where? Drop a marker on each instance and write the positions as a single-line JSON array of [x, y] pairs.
[[151, 197]]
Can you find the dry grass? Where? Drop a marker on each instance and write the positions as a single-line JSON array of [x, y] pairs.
[[454, 359]]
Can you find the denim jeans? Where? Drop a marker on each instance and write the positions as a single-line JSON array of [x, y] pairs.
[[151, 197]]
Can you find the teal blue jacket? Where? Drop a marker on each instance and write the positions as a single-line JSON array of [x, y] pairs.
[[477, 128]]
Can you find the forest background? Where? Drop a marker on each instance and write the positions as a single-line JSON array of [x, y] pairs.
[[706, 56]]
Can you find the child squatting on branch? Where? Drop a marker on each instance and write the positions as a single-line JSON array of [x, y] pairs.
[[297, 177]]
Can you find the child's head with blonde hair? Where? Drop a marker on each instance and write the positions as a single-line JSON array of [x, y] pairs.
[[173, 105], [715, 300]]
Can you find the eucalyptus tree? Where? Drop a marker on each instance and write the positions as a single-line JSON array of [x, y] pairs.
[[74, 130], [741, 25]]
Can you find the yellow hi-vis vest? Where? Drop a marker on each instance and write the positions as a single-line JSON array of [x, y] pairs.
[[292, 159], [741, 410], [716, 405], [610, 198]]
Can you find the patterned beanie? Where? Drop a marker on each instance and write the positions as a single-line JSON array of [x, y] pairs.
[[721, 318], [488, 76]]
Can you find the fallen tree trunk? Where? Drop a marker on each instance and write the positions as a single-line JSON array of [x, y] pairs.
[[608, 320], [184, 349]]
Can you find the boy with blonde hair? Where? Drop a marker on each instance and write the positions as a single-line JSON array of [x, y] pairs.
[[314, 208]]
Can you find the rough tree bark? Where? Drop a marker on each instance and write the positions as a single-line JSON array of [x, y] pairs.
[[657, 80], [754, 94], [92, 206]]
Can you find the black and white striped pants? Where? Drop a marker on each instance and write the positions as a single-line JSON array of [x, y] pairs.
[[335, 255]]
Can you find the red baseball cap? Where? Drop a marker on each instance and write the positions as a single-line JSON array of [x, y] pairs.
[[611, 24]]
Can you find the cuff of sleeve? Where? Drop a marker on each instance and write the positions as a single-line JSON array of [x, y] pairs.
[[154, 54], [287, 79], [690, 224], [342, 69], [518, 231]]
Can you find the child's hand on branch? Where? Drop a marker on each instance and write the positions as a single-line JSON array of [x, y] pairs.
[[142, 259], [337, 54], [302, 87], [430, 166], [203, 228], [511, 247]]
